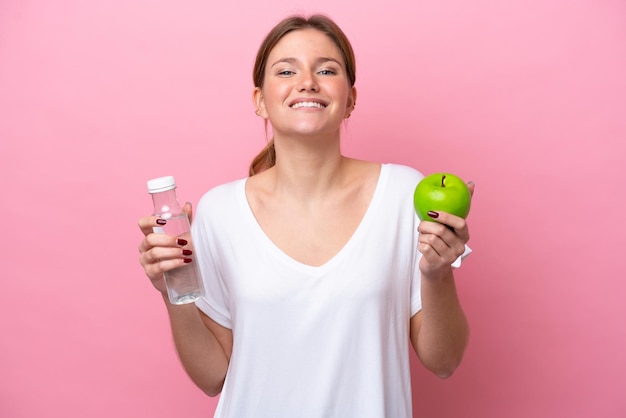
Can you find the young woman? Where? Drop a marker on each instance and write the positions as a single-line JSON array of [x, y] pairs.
[[318, 273]]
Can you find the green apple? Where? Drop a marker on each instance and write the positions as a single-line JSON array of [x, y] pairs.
[[441, 192]]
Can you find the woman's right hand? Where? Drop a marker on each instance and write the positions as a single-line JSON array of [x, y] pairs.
[[161, 252]]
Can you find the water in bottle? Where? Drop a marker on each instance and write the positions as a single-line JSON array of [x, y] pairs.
[[184, 284]]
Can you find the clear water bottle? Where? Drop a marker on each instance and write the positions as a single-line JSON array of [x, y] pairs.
[[184, 284]]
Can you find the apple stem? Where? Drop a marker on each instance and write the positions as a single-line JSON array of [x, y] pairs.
[[442, 180]]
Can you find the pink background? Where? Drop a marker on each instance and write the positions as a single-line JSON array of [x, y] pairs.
[[527, 98]]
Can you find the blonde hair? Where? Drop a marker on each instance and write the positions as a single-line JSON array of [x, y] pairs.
[[267, 157]]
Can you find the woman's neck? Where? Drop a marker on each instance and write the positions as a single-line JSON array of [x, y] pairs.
[[308, 169]]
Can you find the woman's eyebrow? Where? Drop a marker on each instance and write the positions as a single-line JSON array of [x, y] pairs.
[[320, 60], [288, 60], [327, 59]]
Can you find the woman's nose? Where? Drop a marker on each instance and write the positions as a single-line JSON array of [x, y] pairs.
[[308, 82]]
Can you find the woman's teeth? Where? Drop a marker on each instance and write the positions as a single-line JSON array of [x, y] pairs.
[[308, 104]]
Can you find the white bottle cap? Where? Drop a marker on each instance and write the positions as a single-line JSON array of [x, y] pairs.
[[161, 184]]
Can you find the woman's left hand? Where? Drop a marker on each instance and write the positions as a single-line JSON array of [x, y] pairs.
[[441, 242]]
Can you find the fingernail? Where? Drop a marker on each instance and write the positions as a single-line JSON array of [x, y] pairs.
[[471, 182], [187, 252], [181, 241], [433, 214], [187, 260], [161, 221]]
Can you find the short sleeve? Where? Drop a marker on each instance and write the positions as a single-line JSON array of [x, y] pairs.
[[215, 303], [457, 263], [416, 294]]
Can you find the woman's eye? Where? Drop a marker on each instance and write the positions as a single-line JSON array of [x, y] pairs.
[[286, 72], [327, 72]]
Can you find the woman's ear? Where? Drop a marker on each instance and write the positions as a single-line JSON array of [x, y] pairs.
[[351, 102], [259, 102]]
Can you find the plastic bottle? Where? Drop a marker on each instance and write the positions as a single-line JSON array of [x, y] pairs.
[[184, 284]]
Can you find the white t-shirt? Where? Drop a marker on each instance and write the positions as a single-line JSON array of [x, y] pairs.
[[328, 341]]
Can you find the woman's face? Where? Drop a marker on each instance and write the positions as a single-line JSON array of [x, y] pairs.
[[306, 89]]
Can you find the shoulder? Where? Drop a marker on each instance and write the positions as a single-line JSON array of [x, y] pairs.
[[401, 175], [221, 197], [403, 171], [396, 172]]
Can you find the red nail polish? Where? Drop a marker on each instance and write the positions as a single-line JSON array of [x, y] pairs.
[[433, 214], [187, 260], [161, 221], [187, 252], [181, 241]]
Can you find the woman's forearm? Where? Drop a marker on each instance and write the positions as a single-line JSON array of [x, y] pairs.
[[203, 355], [440, 332]]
